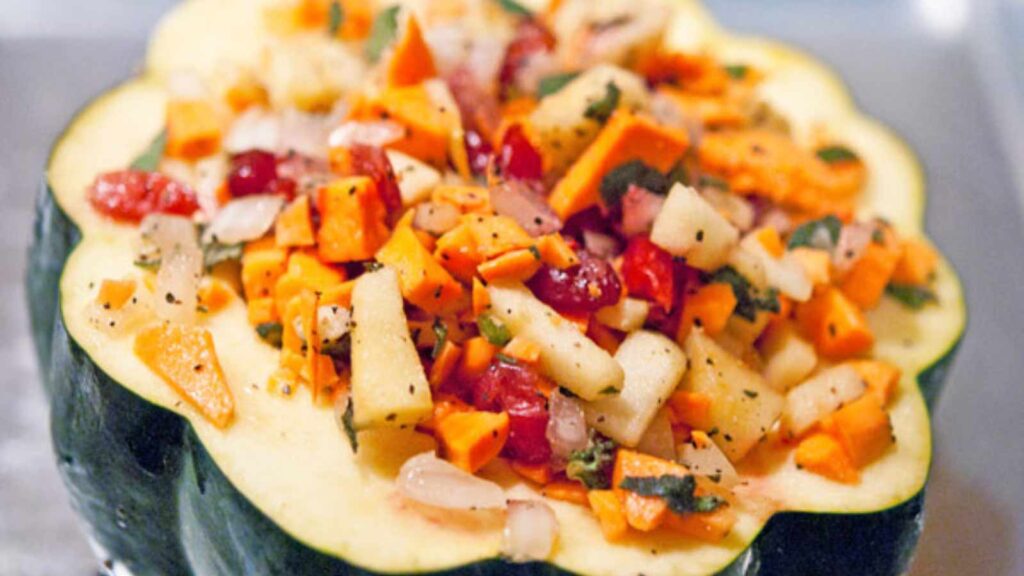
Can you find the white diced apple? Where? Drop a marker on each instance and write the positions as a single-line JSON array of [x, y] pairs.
[[785, 274], [743, 406], [416, 180], [690, 227], [707, 459], [659, 440], [627, 315], [389, 386], [654, 366], [788, 358], [821, 395], [567, 356]]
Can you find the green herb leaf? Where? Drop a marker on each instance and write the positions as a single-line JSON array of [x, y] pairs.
[[440, 337], [505, 359], [566, 392], [340, 349], [383, 33], [610, 390], [737, 71], [837, 155], [552, 84], [494, 332], [592, 466], [616, 183], [515, 8], [707, 181], [749, 300], [150, 264], [271, 333], [348, 423], [810, 234], [149, 160], [372, 266], [678, 174], [214, 253], [601, 110], [677, 491], [913, 297], [335, 18]]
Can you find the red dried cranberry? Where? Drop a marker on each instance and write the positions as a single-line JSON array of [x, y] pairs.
[[131, 195], [479, 151], [252, 172], [512, 388], [648, 272], [517, 158], [587, 287], [372, 162]]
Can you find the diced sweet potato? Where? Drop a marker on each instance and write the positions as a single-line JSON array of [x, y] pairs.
[[352, 221], [263, 263], [566, 491], [835, 324], [427, 125], [515, 266], [476, 357], [917, 263], [114, 294], [294, 228], [645, 513], [610, 514], [882, 378], [865, 283], [411, 61], [193, 129], [822, 454], [472, 439], [424, 281], [709, 308], [863, 429]]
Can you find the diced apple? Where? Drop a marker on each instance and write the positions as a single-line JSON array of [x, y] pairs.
[[626, 316], [659, 440], [707, 459], [389, 385], [654, 366], [821, 395], [416, 179], [690, 227], [786, 274], [743, 406], [566, 356], [788, 358]]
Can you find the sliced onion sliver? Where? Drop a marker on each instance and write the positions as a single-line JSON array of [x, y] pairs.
[[427, 479], [377, 134], [181, 266], [530, 530], [601, 245], [528, 208], [255, 129], [567, 426], [244, 219]]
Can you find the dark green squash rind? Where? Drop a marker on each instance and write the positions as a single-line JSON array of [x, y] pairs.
[[156, 501]]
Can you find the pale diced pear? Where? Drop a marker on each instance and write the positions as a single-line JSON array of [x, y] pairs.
[[690, 227], [416, 179], [819, 396], [788, 358], [627, 315]]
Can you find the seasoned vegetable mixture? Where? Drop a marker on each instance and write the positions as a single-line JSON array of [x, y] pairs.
[[540, 238]]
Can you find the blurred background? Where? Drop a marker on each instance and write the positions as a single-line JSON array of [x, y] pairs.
[[948, 75]]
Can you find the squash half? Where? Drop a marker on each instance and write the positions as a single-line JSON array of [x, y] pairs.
[[280, 492]]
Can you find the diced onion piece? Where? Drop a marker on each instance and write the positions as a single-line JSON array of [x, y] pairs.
[[177, 285], [658, 440], [600, 245], [168, 233], [788, 358], [530, 531], [333, 322], [735, 208], [255, 129], [853, 239], [435, 218], [307, 134], [377, 133], [416, 179], [245, 219], [820, 396], [708, 460], [529, 209], [567, 426], [627, 315], [689, 226], [210, 173], [639, 209], [427, 479]]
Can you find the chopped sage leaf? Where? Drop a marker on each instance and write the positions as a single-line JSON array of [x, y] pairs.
[[737, 71], [601, 110], [815, 232], [913, 297], [149, 160], [440, 337], [271, 333], [837, 154], [749, 300], [616, 183], [348, 422], [494, 332], [215, 253], [592, 466], [505, 359], [677, 491], [335, 18], [515, 8], [383, 33], [553, 84], [707, 181]]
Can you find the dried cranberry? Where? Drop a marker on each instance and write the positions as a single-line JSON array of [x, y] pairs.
[[479, 108], [252, 172], [587, 287], [479, 151], [512, 388], [531, 38], [517, 158], [131, 195], [648, 272], [372, 162]]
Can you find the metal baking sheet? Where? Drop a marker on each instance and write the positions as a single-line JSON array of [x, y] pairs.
[[948, 75]]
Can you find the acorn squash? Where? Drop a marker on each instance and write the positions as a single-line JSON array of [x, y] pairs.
[[281, 492]]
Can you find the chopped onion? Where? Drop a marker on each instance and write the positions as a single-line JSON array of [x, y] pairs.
[[708, 460], [567, 425], [520, 203], [307, 134], [333, 322], [210, 175], [658, 439], [778, 219], [435, 218], [255, 129], [244, 219], [530, 530], [168, 233], [181, 266], [377, 133], [600, 245], [429, 480], [448, 45], [853, 239], [308, 173], [639, 209]]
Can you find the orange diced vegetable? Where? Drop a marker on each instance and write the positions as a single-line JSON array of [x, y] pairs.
[[244, 93], [193, 129], [709, 308], [411, 61], [427, 127], [301, 312], [468, 199], [817, 264], [114, 294], [645, 513], [305, 272], [536, 473], [294, 228], [917, 264], [424, 281], [707, 527], [626, 137], [477, 354], [865, 283], [262, 311], [822, 454], [263, 263], [352, 220], [522, 349], [566, 491], [456, 250], [517, 265], [881, 377], [186, 359], [836, 326], [556, 252], [470, 440], [609, 512], [481, 298], [603, 336], [691, 408], [214, 295], [444, 405], [713, 111], [863, 429], [496, 235], [283, 382], [768, 237], [445, 364]]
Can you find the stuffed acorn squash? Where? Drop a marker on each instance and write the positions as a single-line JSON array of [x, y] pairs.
[[477, 286]]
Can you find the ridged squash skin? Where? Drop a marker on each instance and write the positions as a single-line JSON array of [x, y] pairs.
[[155, 500]]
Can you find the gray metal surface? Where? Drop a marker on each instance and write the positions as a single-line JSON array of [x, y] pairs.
[[941, 72]]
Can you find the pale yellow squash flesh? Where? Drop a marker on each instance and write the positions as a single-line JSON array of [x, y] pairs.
[[288, 457]]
